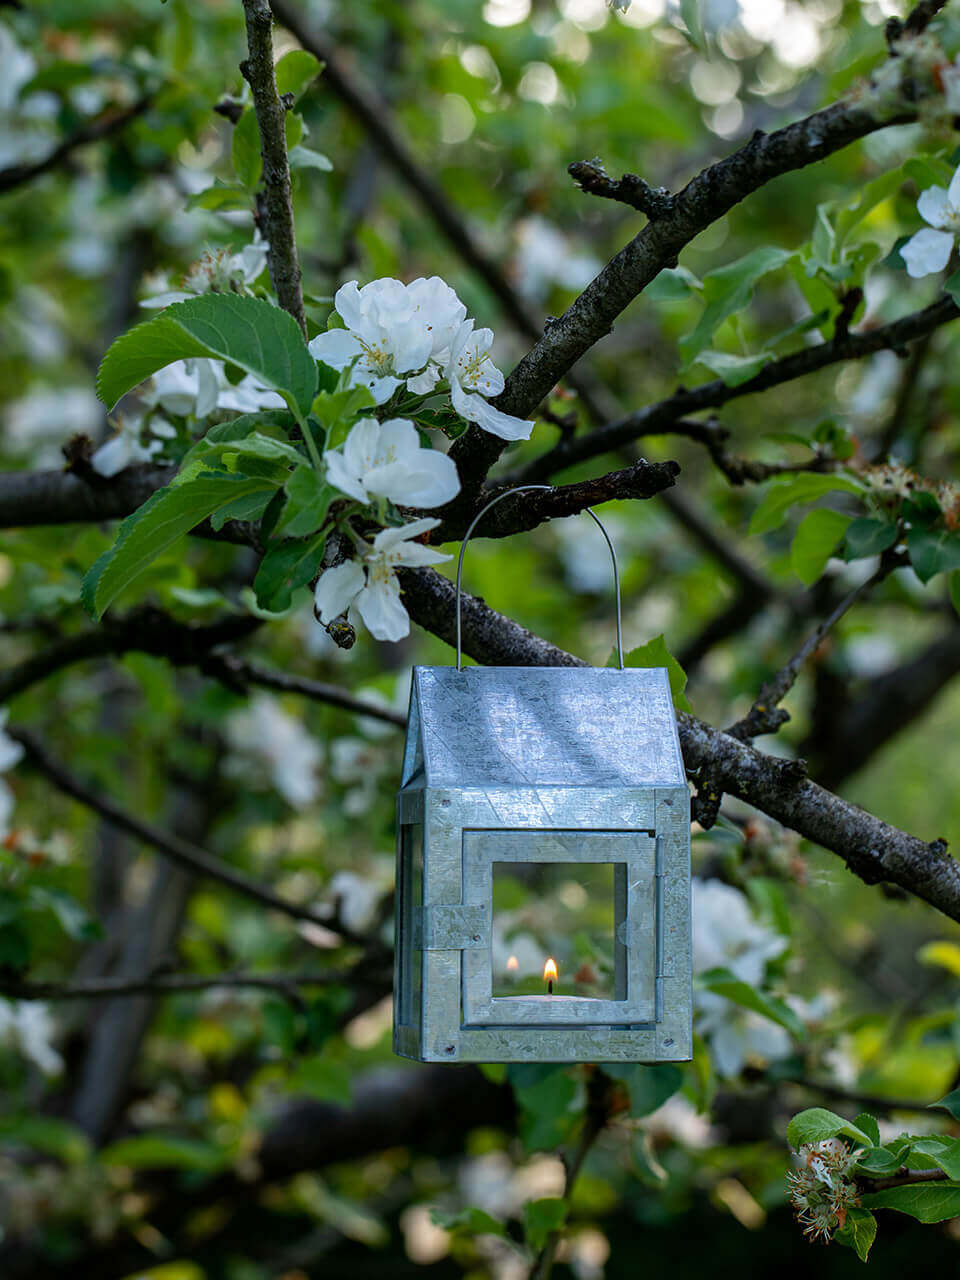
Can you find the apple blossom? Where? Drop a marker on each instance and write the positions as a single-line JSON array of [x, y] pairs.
[[929, 249], [218, 272], [470, 369], [28, 1027], [200, 386], [11, 752], [386, 460], [369, 588], [124, 449], [263, 733]]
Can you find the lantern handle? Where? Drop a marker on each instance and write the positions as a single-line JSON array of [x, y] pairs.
[[521, 488]]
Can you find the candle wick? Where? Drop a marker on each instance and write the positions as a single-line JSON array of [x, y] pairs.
[[550, 987]]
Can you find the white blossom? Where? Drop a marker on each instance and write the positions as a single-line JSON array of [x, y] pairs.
[[262, 733], [386, 460], [546, 257], [369, 588], [11, 753], [124, 449], [26, 1026], [471, 370], [355, 898], [218, 272], [199, 387], [929, 250]]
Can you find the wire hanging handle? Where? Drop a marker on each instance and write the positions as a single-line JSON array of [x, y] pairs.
[[521, 488]]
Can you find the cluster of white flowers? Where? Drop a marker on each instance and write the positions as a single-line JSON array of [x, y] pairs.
[[823, 1189], [263, 734], [929, 250], [218, 271], [417, 334], [27, 1028], [726, 936]]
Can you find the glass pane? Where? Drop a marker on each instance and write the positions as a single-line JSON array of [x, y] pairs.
[[560, 911], [410, 901]]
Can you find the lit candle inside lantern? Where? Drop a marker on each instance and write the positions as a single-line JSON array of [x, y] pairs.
[[513, 967], [550, 974]]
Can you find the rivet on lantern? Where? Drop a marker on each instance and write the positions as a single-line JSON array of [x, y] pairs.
[[543, 864]]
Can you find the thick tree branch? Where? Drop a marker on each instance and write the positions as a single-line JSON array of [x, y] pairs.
[[166, 984], [182, 852], [276, 204], [659, 418], [106, 125]]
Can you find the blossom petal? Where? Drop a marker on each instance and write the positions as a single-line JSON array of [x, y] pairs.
[[336, 347], [349, 306], [926, 252], [361, 449], [414, 554], [338, 588], [953, 191], [380, 608], [388, 538], [475, 409], [424, 383], [399, 441], [428, 481], [935, 206], [380, 388], [208, 387], [112, 457], [343, 477]]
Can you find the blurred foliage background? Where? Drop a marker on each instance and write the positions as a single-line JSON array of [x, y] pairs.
[[243, 1134]]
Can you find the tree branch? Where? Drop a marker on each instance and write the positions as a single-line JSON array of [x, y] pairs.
[[659, 418], [112, 121], [240, 671], [182, 852], [165, 984], [276, 202]]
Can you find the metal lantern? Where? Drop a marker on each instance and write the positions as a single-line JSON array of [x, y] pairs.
[[516, 778]]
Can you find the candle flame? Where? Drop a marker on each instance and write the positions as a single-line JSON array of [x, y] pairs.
[[550, 970], [513, 964]]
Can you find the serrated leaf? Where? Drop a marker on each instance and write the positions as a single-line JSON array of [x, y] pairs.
[[73, 918], [943, 1151], [927, 1202], [731, 369], [727, 290], [878, 1162], [814, 543], [164, 1151], [247, 160], [949, 1103], [796, 490], [870, 1126], [933, 551], [165, 516], [866, 537], [250, 507], [656, 654], [545, 1095], [287, 566], [723, 983], [308, 501], [817, 1123], [858, 1232], [249, 332], [541, 1218], [296, 71], [306, 158]]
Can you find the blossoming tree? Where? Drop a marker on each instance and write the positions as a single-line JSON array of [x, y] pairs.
[[314, 367]]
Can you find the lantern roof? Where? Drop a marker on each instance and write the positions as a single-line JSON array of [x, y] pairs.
[[542, 726]]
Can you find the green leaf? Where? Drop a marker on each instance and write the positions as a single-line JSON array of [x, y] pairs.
[[165, 516], [690, 13], [469, 1222], [953, 583], [878, 1161], [814, 542], [541, 1218], [164, 1151], [249, 332], [72, 916], [545, 1095], [727, 290], [869, 1125], [247, 160], [731, 369], [933, 551], [257, 445], [305, 158], [952, 286], [817, 1123], [944, 1152], [287, 566], [336, 411], [649, 1087], [949, 1103], [220, 196], [794, 490], [656, 654], [296, 71], [723, 983], [250, 507], [858, 1232], [866, 537], [673, 285], [47, 1134], [308, 501], [280, 1025], [927, 1202], [322, 1078]]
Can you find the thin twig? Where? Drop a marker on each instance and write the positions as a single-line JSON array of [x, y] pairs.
[[244, 672], [766, 715], [865, 1101], [276, 206], [105, 126], [182, 852], [904, 1178]]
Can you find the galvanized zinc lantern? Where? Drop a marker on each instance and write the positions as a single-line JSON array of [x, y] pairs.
[[543, 865]]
